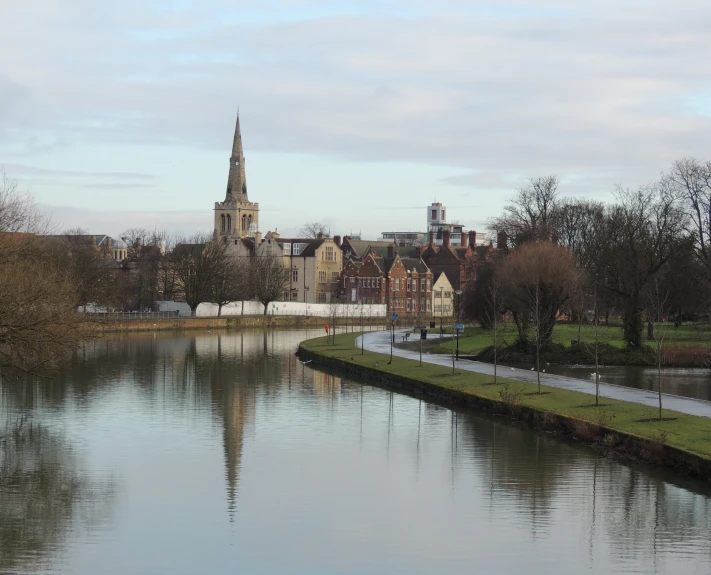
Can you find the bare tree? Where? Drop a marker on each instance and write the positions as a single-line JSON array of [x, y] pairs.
[[39, 323], [657, 298], [532, 214], [536, 280], [269, 278], [691, 180], [313, 229], [18, 210], [231, 283], [494, 313], [645, 230], [197, 262]]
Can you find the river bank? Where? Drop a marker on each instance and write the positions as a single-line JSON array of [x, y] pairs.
[[618, 428], [229, 322]]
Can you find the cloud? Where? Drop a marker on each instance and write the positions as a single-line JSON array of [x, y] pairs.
[[601, 95]]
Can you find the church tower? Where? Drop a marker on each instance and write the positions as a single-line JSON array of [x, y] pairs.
[[236, 217]]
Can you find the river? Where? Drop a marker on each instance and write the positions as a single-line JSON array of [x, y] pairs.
[[221, 453]]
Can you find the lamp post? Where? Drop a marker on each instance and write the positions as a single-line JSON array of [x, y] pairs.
[[441, 311], [392, 320], [457, 293]]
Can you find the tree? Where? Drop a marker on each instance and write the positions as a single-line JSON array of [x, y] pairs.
[[39, 323], [494, 313], [536, 281], [87, 266], [197, 262], [18, 210], [690, 179], [644, 231], [532, 214], [230, 284], [656, 306], [313, 229], [269, 278]]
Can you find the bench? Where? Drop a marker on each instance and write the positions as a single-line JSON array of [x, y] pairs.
[[406, 337]]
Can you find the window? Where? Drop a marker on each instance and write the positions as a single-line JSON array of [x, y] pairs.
[[443, 216], [294, 276], [334, 277], [422, 284], [285, 296], [298, 248], [428, 305], [286, 248], [434, 215], [353, 279], [330, 254], [429, 285], [397, 284], [409, 305], [294, 294], [377, 282], [229, 223], [322, 277], [409, 285], [448, 294], [422, 303], [321, 296], [222, 227]]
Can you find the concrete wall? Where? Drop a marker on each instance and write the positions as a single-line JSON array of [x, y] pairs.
[[280, 308]]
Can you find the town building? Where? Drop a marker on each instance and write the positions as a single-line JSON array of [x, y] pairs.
[[403, 284], [236, 217], [443, 299]]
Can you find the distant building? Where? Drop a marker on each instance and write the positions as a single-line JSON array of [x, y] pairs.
[[404, 238]]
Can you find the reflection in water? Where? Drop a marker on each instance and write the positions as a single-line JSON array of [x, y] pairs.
[[44, 495], [232, 455]]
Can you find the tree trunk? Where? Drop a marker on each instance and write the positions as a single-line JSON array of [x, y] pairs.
[[219, 309], [650, 330], [265, 308], [632, 322]]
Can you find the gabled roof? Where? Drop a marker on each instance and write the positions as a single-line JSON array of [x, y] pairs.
[[310, 250], [415, 264]]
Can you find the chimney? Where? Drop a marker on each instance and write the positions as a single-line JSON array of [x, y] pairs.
[[445, 238], [501, 240], [319, 236], [431, 238], [337, 240], [391, 251], [275, 234], [257, 238], [472, 238]]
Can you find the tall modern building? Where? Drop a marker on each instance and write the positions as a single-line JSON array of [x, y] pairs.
[[236, 216], [437, 224]]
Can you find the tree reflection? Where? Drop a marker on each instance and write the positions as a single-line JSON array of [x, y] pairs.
[[44, 493]]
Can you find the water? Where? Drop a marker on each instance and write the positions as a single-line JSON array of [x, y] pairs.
[[687, 382], [220, 453]]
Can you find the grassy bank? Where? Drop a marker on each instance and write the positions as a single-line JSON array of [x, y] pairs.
[[684, 346], [682, 441]]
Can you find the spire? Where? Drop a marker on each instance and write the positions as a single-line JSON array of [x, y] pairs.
[[237, 178]]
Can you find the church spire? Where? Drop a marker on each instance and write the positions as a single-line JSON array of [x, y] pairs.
[[237, 178]]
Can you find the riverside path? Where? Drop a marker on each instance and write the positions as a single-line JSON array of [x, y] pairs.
[[379, 342]]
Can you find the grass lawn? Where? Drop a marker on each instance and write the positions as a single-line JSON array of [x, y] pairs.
[[687, 432], [476, 338]]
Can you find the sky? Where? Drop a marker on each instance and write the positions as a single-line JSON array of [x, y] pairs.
[[358, 114]]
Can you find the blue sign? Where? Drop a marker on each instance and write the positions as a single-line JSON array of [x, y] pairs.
[[394, 317], [459, 327]]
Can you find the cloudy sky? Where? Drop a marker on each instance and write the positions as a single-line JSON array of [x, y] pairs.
[[120, 114]]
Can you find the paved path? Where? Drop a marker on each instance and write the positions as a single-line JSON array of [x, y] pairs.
[[379, 341]]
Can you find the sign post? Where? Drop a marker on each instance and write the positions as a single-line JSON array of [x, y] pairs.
[[459, 328]]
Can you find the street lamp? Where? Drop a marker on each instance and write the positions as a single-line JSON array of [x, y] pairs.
[[392, 321], [441, 311], [457, 293]]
